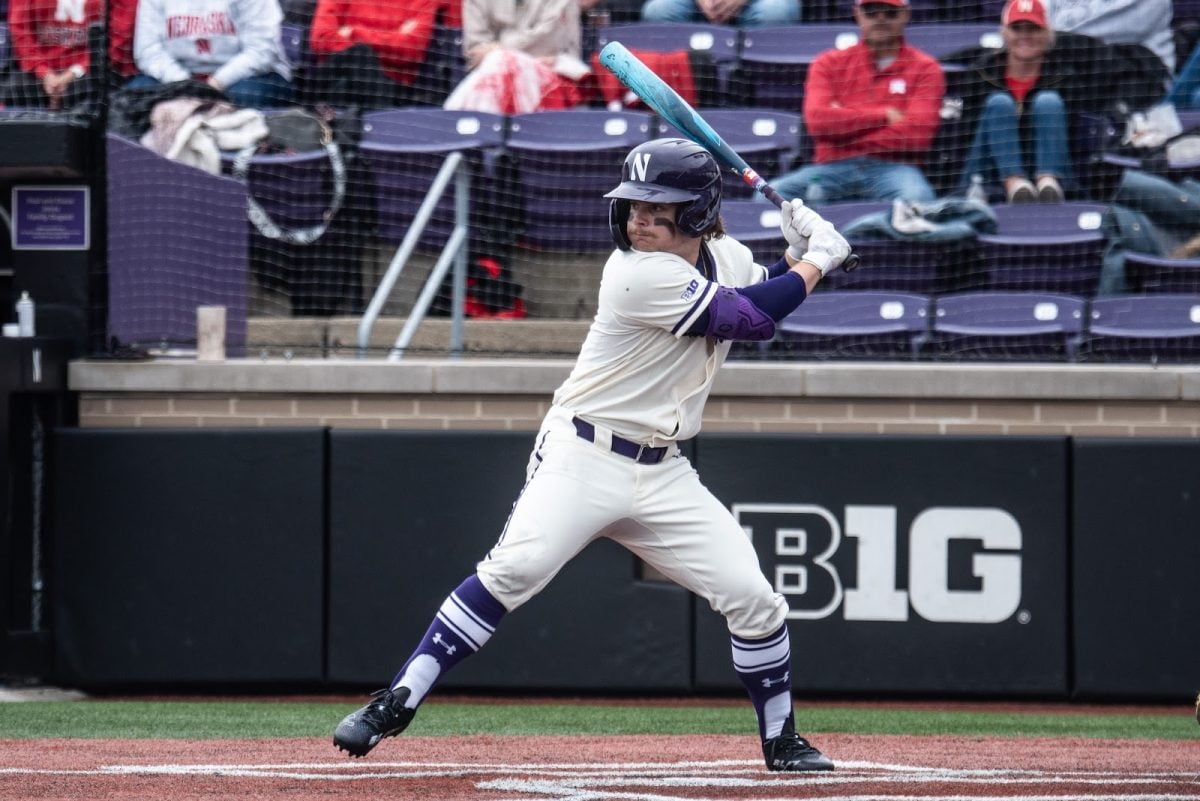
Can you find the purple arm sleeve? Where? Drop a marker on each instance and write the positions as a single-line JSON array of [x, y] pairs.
[[750, 312]]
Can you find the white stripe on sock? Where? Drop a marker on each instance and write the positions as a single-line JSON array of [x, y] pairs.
[[747, 660], [466, 625], [419, 677]]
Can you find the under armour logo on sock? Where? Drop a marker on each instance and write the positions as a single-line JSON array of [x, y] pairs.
[[450, 649], [768, 683]]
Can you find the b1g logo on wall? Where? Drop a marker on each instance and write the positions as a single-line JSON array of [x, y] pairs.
[[963, 563]]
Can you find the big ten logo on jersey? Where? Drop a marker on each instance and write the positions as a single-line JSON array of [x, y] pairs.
[[956, 564], [691, 290]]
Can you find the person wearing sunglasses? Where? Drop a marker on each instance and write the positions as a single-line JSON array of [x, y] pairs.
[[872, 110]]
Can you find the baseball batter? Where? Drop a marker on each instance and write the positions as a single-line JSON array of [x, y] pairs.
[[673, 296]]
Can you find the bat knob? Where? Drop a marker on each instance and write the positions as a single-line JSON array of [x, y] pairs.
[[851, 263]]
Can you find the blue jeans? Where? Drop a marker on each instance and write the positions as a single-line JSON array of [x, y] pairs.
[[1185, 90], [995, 152], [861, 178], [258, 91], [755, 12]]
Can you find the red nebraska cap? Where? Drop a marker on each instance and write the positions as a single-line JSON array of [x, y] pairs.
[[1024, 11]]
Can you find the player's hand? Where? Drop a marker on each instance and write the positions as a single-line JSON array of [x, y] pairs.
[[827, 248], [797, 221]]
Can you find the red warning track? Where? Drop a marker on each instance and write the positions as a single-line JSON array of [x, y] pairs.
[[629, 768]]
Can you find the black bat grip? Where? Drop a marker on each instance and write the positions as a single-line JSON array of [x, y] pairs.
[[851, 262]]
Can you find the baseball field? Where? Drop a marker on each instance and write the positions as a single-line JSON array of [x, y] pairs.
[[568, 749]]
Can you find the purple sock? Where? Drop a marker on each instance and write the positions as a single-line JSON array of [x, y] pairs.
[[764, 666], [465, 621]]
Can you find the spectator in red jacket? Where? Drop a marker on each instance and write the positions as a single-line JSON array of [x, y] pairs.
[[49, 45], [369, 52], [872, 111], [122, 14]]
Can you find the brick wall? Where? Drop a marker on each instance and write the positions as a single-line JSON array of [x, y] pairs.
[[448, 395]]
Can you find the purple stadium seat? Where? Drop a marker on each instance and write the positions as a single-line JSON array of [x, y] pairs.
[[1144, 328], [1153, 274], [405, 148], [832, 324], [719, 41], [1006, 325], [924, 268], [923, 11], [755, 225], [767, 139], [566, 161], [1042, 247], [176, 240], [945, 38], [775, 59]]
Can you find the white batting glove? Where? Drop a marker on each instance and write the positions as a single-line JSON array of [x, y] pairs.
[[796, 222], [826, 248]]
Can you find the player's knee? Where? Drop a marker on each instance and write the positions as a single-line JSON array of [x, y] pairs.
[[757, 616]]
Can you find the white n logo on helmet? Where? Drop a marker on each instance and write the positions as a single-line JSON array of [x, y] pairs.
[[637, 170]]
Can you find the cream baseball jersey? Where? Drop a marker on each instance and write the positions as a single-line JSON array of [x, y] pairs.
[[637, 373]]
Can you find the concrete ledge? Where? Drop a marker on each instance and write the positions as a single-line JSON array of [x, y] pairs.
[[540, 377]]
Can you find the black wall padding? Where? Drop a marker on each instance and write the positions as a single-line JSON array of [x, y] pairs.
[[815, 493], [1136, 566], [412, 513], [189, 556]]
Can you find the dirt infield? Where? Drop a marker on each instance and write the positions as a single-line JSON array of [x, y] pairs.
[[629, 768]]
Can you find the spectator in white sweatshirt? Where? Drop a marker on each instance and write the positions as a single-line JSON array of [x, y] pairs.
[[1144, 22], [232, 45]]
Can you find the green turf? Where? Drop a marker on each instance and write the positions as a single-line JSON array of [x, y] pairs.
[[219, 719]]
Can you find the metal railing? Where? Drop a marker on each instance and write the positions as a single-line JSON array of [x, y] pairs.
[[453, 254]]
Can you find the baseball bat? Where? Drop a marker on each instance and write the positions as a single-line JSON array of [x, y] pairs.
[[658, 95]]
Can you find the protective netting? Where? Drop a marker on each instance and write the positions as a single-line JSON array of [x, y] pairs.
[[296, 231]]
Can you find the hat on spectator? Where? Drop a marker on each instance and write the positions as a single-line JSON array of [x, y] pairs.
[[1024, 11], [880, 2]]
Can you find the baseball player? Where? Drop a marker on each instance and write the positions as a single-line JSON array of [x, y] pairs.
[[672, 297]]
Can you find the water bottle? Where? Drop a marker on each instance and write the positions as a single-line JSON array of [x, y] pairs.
[[976, 191], [25, 315]]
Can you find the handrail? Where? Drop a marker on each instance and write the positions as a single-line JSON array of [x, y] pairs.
[[455, 249]]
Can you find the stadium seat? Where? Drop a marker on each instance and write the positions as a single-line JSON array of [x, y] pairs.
[[1006, 325], [1156, 328], [832, 324], [774, 61], [755, 225], [405, 148], [291, 37], [767, 139], [925, 268], [1153, 274], [566, 161], [5, 48], [176, 240], [923, 11], [942, 39], [1043, 247], [719, 42]]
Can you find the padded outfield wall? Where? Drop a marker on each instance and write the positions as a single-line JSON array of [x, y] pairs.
[[1055, 565]]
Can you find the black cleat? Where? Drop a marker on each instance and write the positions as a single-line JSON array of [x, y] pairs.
[[791, 752], [386, 716]]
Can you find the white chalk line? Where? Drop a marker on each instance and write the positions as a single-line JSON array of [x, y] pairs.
[[653, 781]]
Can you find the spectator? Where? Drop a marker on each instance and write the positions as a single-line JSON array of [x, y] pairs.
[[231, 45], [1021, 100], [369, 52], [50, 51], [872, 111], [524, 55], [723, 12], [1144, 22], [122, 15], [1185, 91]]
